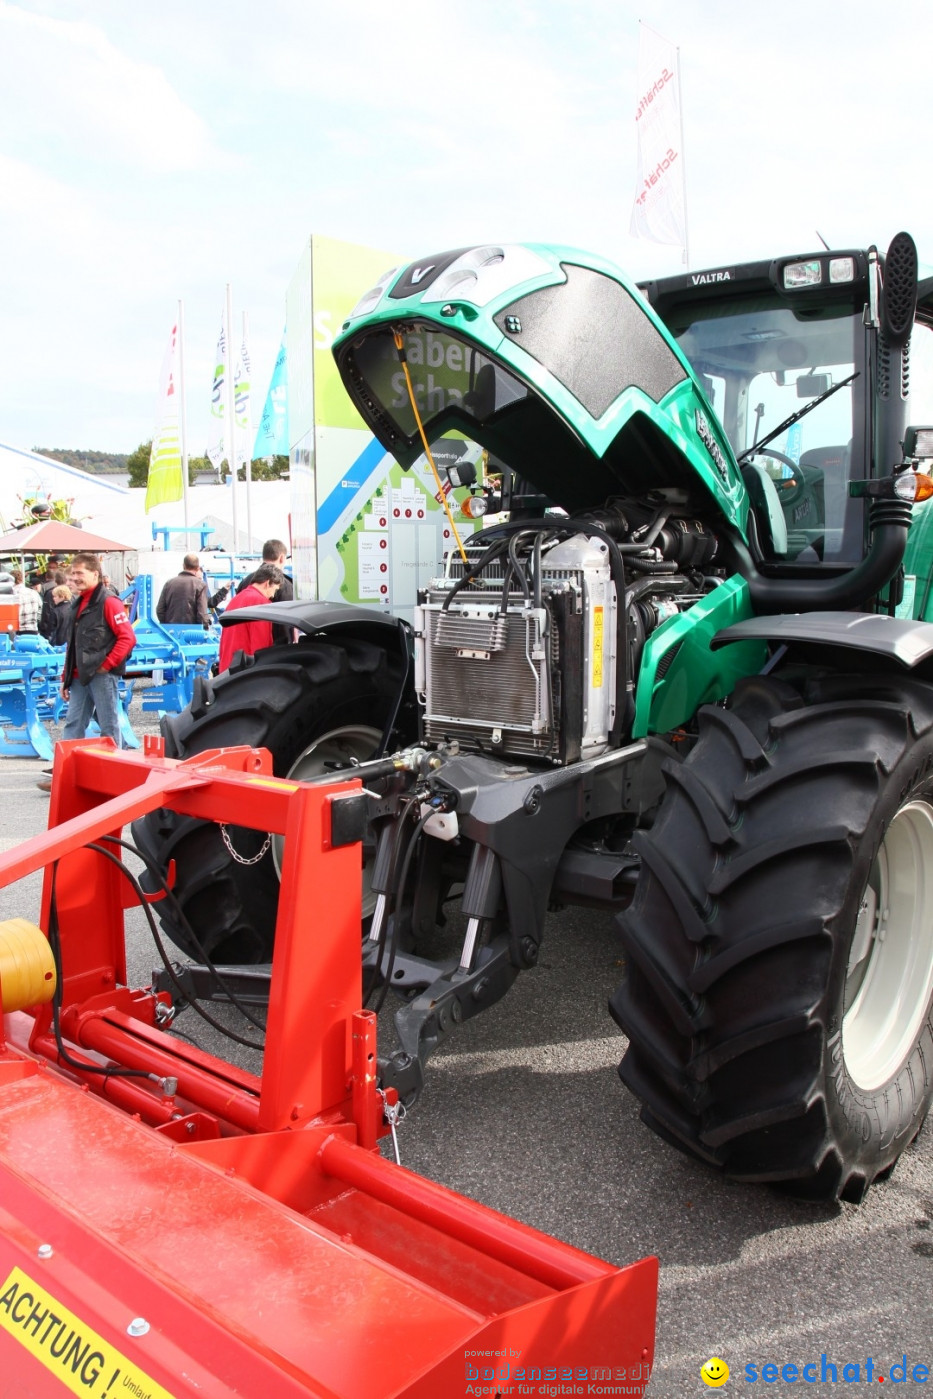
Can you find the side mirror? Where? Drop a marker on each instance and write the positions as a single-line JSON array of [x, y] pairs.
[[812, 385]]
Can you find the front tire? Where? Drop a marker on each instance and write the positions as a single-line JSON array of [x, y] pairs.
[[779, 946], [310, 704]]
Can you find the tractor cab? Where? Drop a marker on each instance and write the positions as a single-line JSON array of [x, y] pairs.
[[810, 388]]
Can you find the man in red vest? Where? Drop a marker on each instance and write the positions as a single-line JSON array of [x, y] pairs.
[[100, 641], [250, 637]]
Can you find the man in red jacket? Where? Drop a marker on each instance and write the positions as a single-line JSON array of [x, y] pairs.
[[250, 637], [101, 640]]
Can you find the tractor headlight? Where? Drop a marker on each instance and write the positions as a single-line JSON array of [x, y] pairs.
[[918, 443], [802, 274], [842, 269]]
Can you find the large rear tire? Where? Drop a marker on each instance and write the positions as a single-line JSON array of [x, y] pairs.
[[309, 704], [779, 990]]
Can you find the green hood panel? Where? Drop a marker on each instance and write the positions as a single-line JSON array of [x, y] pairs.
[[551, 359]]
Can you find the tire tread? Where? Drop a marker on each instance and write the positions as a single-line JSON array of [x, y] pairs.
[[734, 935]]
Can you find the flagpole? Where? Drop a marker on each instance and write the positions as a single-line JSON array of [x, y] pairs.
[[183, 410], [230, 433], [249, 445]]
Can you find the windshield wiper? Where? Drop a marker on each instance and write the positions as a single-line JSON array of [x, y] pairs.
[[795, 418]]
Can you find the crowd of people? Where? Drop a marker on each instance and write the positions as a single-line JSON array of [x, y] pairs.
[[82, 611], [184, 601]]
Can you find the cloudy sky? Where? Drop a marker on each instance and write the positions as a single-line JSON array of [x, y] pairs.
[[156, 152]]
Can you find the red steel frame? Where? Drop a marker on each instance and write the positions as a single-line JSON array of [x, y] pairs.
[[251, 1220]]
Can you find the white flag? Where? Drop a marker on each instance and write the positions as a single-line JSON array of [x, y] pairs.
[[243, 428], [217, 443], [660, 208]]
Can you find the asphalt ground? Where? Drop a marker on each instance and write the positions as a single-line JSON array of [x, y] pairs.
[[524, 1111]]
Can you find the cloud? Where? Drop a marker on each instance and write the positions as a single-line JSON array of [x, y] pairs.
[[89, 290], [64, 85], [151, 153]]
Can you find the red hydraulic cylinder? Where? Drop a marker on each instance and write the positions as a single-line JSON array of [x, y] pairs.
[[125, 1092], [207, 1091]]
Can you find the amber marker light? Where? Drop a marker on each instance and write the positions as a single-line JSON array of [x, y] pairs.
[[475, 506], [913, 486]]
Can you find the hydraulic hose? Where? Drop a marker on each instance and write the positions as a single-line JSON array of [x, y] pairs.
[[473, 571]]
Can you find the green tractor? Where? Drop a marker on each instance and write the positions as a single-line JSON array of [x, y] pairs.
[[684, 675]]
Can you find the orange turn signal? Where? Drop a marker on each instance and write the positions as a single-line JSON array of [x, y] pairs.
[[474, 506]]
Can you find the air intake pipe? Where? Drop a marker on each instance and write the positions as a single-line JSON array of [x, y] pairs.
[[889, 522]]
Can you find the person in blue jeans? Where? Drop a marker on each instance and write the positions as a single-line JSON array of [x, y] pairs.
[[101, 640]]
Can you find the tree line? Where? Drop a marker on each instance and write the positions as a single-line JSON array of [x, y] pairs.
[[96, 462], [136, 464], [262, 468]]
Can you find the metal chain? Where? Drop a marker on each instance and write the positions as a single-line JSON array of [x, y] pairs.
[[242, 859]]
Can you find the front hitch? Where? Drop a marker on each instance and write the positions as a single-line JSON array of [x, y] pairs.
[[453, 997]]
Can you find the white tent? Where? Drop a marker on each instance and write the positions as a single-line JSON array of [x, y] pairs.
[[24, 473], [107, 508], [208, 505]]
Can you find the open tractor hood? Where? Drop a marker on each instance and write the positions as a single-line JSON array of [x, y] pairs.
[[548, 357]]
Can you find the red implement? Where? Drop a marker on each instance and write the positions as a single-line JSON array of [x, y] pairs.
[[201, 1231]]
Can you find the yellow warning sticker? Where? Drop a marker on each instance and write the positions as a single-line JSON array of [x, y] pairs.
[[597, 648], [67, 1347]]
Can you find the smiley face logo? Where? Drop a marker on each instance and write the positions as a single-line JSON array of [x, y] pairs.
[[715, 1372]]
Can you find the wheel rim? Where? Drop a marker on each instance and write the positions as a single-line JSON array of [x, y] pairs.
[[889, 979], [353, 743]]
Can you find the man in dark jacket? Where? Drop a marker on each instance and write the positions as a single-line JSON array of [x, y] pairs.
[[101, 640], [275, 552], [59, 628], [54, 578], [183, 600]]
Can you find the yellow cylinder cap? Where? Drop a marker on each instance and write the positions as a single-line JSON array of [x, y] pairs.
[[27, 968]]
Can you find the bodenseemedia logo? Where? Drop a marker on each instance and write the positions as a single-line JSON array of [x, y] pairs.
[[504, 1378]]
